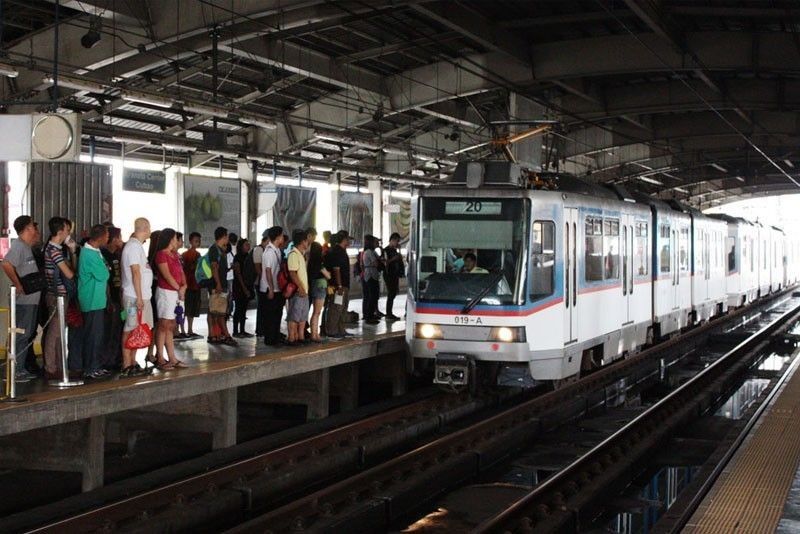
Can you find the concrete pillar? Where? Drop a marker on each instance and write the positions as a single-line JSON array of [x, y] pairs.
[[344, 384], [376, 189], [72, 447], [224, 434]]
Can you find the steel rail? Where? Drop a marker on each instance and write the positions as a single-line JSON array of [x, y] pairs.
[[287, 456], [325, 506], [558, 501]]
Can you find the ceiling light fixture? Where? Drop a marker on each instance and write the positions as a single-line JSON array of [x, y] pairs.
[[76, 83], [144, 98], [202, 109], [719, 167], [256, 121], [786, 161], [130, 140], [650, 180], [8, 70], [681, 190]]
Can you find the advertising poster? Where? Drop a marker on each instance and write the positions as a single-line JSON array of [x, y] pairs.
[[355, 216], [294, 208], [209, 203], [400, 221]]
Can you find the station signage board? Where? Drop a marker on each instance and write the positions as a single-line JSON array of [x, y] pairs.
[[144, 181]]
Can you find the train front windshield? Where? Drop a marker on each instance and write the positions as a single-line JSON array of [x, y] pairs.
[[471, 251]]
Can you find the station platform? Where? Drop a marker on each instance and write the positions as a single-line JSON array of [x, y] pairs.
[[65, 429], [759, 489]]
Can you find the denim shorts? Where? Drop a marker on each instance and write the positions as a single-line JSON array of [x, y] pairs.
[[319, 289]]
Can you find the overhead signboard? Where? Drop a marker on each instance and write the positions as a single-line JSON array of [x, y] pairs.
[[144, 181]]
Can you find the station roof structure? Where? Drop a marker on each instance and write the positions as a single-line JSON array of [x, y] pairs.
[[695, 100]]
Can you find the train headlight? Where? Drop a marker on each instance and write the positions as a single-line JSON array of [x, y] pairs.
[[428, 331], [507, 334]]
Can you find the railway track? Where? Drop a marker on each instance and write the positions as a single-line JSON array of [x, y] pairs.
[[322, 466], [374, 499], [568, 501]]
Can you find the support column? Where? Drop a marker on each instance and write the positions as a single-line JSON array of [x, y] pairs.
[[224, 434], [72, 447], [308, 389], [344, 384]]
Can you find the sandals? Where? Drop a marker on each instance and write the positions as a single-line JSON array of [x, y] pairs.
[[165, 367], [230, 342], [179, 365]]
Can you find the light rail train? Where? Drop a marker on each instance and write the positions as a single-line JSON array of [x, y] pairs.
[[559, 276]]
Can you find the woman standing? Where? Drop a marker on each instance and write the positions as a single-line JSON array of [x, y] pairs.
[[171, 288], [244, 277], [152, 249], [318, 277]]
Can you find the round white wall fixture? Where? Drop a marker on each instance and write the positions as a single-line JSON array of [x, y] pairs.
[[52, 137]]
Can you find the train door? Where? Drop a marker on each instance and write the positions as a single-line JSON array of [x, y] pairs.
[[627, 267], [703, 255], [570, 275]]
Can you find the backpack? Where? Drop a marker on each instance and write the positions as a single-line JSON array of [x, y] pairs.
[[285, 283], [202, 272]]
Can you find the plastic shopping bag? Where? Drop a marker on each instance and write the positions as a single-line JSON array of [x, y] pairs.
[[141, 336]]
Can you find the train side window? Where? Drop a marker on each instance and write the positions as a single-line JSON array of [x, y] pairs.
[[593, 255], [752, 256], [664, 256], [731, 254], [683, 250], [543, 255], [611, 249], [641, 251]]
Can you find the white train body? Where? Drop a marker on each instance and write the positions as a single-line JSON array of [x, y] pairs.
[[566, 279]]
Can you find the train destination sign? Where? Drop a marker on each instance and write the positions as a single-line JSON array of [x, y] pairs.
[[473, 207]]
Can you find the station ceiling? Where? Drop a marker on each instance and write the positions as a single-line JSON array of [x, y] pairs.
[[690, 99]]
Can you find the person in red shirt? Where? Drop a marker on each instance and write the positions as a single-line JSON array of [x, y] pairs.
[[171, 289], [192, 304]]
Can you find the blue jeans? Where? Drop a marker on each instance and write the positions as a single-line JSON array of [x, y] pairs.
[[75, 348], [93, 333], [28, 320]]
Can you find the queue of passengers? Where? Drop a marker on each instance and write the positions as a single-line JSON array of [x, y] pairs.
[[111, 287]]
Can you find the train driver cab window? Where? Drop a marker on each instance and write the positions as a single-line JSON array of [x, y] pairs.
[[543, 255], [611, 249], [640, 254], [731, 254], [593, 256], [664, 257]]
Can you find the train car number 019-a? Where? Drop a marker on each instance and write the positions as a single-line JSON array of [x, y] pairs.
[[473, 207], [467, 320]]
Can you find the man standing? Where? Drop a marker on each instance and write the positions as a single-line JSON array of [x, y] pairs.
[[297, 313], [59, 274], [270, 293], [258, 254], [137, 290], [371, 265], [217, 319], [338, 263], [192, 304], [394, 271], [112, 253], [18, 263], [93, 275]]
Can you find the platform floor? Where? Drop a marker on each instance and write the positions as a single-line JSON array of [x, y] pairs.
[[762, 482], [211, 367]]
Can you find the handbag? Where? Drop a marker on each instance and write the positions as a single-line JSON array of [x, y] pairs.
[[33, 282], [141, 336], [218, 304]]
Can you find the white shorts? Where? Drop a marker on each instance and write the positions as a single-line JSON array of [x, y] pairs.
[[166, 300]]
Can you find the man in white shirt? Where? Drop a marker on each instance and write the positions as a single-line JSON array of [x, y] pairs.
[[258, 254], [269, 292], [137, 288]]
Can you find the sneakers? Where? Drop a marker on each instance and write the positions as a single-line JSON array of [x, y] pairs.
[[392, 317], [96, 375], [134, 370]]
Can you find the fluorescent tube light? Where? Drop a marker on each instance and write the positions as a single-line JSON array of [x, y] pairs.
[[650, 180]]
